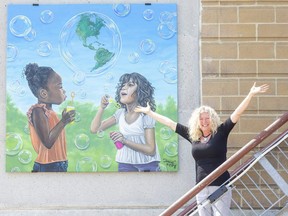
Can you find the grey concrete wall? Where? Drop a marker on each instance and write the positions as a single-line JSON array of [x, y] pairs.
[[107, 193]]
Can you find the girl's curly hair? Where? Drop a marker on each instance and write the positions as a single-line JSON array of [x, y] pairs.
[[145, 91]]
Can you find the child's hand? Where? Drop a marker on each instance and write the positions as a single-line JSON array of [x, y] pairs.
[[143, 109], [104, 101], [116, 136], [68, 117]]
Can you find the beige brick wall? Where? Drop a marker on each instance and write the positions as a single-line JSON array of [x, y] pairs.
[[245, 41]]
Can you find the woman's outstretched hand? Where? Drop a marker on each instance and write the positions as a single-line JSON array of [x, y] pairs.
[[145, 110], [260, 89]]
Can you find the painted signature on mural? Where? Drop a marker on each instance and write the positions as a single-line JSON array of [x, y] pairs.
[[170, 163]]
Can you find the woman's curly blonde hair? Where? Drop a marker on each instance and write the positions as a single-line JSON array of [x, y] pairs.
[[195, 132]]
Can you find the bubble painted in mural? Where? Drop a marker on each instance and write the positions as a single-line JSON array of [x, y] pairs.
[[11, 52], [20, 26], [25, 156], [171, 149], [165, 32], [148, 14], [105, 161], [147, 46], [47, 16], [170, 76], [109, 77], [134, 57], [82, 141], [82, 94], [90, 42], [100, 134], [44, 48], [79, 78], [86, 164], [165, 133], [168, 21], [14, 143], [77, 117], [121, 10], [31, 35], [164, 65]]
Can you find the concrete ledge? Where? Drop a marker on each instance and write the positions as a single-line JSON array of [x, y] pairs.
[[82, 212]]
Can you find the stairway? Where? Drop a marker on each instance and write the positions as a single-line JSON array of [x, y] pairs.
[[259, 185]]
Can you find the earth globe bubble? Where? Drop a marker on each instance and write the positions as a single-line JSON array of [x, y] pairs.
[[105, 161], [11, 52], [20, 25], [121, 10], [82, 141], [86, 164], [90, 42], [164, 31], [14, 143], [148, 14], [170, 75], [171, 149], [44, 48], [25, 156], [46, 16], [147, 46]]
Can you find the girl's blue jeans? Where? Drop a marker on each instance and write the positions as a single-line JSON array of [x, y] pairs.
[[60, 166]]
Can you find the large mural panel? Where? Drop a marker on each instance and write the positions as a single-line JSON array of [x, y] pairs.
[[72, 66]]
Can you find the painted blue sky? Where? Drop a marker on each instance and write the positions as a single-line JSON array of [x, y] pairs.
[[143, 37]]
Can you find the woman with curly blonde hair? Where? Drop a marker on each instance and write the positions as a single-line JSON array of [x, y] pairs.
[[195, 132], [208, 136]]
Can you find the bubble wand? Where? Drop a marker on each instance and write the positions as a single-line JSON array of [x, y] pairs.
[[112, 101]]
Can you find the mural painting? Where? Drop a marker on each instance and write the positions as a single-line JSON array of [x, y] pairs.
[[74, 74]]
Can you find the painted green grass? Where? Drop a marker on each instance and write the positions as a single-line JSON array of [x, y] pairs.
[[99, 156]]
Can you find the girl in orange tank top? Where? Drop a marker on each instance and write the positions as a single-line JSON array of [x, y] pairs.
[[46, 129]]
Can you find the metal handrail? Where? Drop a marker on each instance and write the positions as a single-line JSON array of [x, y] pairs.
[[226, 165], [243, 168], [249, 163]]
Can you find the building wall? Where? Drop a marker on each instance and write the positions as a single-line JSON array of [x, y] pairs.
[[244, 42], [106, 193], [240, 42]]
